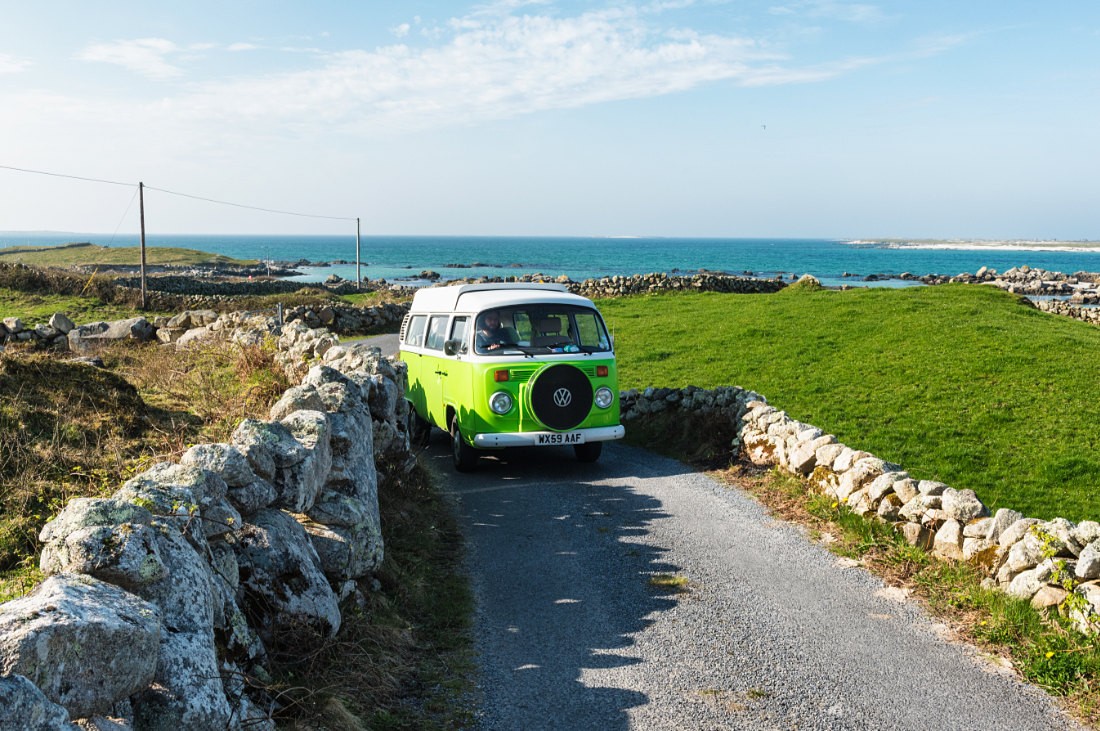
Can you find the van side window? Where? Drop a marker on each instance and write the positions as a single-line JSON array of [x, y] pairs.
[[437, 330], [415, 334], [458, 331]]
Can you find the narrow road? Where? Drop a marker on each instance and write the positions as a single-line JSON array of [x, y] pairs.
[[771, 631]]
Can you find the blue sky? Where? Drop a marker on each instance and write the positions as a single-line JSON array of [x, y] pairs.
[[821, 118]]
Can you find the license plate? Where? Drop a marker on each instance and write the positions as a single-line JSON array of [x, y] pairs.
[[567, 438]]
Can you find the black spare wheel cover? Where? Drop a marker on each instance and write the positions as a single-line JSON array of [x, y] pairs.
[[561, 397]]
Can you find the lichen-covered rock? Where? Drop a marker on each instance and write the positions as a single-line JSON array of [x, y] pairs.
[[294, 454], [85, 512], [23, 707], [186, 496], [188, 692], [281, 576], [125, 555], [246, 492], [84, 643]]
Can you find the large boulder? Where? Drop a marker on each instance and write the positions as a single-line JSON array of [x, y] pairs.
[[85, 643], [281, 577]]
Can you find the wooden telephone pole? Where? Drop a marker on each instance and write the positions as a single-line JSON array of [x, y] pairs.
[[358, 276], [141, 208]]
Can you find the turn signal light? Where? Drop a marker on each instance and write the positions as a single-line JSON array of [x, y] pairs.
[[501, 376], [601, 371]]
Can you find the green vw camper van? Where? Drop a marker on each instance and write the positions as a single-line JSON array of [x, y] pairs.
[[507, 365]]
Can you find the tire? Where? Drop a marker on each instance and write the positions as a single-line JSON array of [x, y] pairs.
[[588, 452], [420, 431], [561, 397], [465, 457]]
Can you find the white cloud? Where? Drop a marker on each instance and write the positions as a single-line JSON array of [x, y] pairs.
[[145, 56], [495, 66], [235, 47], [12, 65], [859, 13], [493, 63], [401, 31]]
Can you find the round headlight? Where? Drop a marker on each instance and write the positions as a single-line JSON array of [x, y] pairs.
[[604, 397], [500, 402]]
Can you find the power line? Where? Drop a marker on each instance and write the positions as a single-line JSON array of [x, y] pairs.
[[61, 175], [251, 208], [182, 195]]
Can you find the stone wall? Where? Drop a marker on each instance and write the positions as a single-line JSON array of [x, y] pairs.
[[61, 333], [619, 286], [163, 600], [1053, 563]]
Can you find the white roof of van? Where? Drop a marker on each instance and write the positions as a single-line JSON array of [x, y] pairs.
[[478, 297]]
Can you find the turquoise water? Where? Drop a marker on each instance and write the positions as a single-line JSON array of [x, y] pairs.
[[404, 257]]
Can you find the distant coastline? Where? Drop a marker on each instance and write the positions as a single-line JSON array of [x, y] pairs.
[[982, 244]]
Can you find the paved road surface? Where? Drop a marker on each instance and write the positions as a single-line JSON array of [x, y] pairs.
[[774, 632]]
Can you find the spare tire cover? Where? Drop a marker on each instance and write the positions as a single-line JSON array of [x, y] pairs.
[[561, 397]]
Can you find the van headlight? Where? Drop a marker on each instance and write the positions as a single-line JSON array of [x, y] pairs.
[[604, 397], [500, 402]]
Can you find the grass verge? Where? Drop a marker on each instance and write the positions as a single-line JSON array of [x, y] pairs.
[[1042, 647], [403, 660]]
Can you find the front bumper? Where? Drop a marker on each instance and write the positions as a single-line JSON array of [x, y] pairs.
[[531, 438]]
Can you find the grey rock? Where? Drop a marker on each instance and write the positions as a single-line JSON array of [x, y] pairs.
[[188, 692], [1016, 531], [125, 555], [1003, 519], [23, 707], [1088, 563], [281, 576], [962, 505], [85, 643], [948, 541], [906, 489], [931, 487], [61, 322]]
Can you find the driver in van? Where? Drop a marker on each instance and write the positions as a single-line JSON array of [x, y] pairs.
[[490, 334]]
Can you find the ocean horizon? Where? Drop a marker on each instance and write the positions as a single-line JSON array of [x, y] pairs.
[[404, 258]]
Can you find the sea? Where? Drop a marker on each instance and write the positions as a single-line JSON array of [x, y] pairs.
[[835, 262]]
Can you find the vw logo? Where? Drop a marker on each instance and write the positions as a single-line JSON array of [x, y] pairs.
[[563, 397]]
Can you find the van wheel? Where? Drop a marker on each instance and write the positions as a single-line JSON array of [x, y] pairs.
[[588, 452], [465, 457], [420, 431]]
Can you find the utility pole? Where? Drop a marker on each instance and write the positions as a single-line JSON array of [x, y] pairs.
[[358, 276], [141, 208]]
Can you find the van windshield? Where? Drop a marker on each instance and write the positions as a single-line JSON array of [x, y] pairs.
[[540, 328]]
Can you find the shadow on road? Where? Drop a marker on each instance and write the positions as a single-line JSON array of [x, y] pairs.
[[564, 576]]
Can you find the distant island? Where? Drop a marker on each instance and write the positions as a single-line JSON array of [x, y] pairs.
[[997, 244]]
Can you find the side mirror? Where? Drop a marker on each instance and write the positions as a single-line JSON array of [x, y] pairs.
[[453, 347]]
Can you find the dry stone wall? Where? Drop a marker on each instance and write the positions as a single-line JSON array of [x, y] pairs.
[[1052, 563], [163, 598]]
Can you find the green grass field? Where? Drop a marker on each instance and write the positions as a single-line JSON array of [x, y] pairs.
[[957, 383], [91, 254]]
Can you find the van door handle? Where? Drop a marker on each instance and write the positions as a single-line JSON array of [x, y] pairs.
[[441, 373]]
